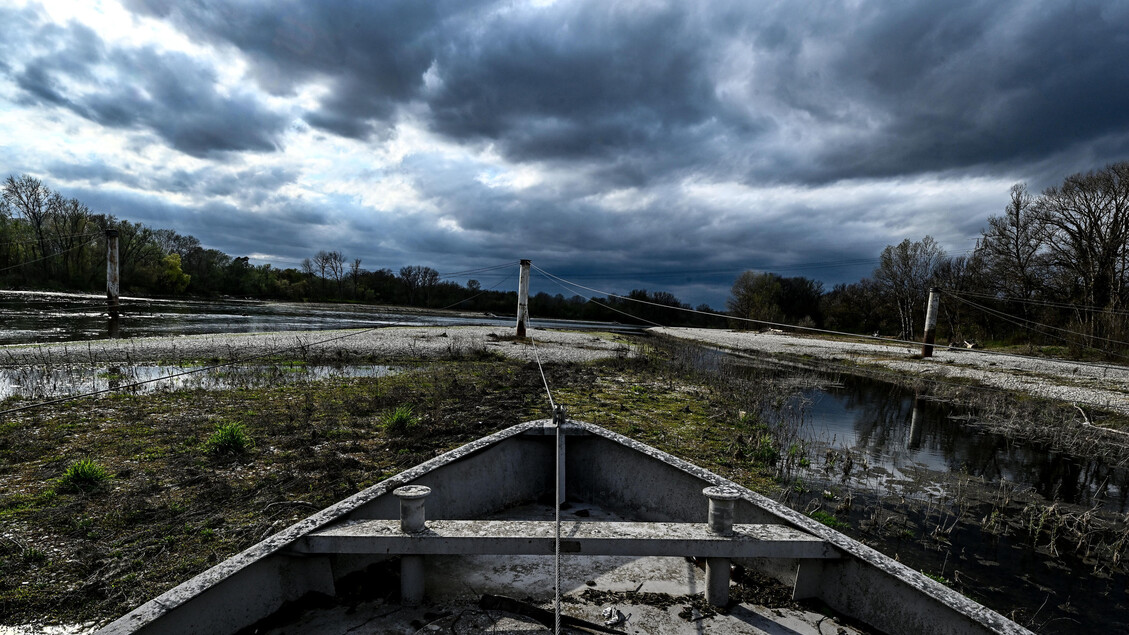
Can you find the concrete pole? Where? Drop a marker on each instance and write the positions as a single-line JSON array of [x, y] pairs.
[[112, 279], [930, 322], [722, 501], [412, 521], [523, 299], [915, 425]]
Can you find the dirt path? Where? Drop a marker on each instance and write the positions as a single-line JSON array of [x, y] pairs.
[[1088, 385]]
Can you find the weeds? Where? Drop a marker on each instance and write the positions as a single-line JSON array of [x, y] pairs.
[[228, 439], [828, 519], [400, 420], [84, 475]]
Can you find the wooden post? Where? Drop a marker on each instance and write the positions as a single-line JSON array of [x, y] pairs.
[[523, 299], [930, 322], [112, 280]]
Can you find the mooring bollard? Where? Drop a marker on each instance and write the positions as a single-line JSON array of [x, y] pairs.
[[412, 521], [722, 503]]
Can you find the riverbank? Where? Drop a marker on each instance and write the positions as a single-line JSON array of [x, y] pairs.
[[386, 344], [1089, 385]]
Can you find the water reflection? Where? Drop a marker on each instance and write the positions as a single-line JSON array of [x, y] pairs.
[[30, 317], [898, 434]]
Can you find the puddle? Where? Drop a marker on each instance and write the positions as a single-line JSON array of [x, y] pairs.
[[877, 436]]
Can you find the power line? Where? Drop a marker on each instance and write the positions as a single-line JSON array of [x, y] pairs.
[[1060, 305], [48, 239], [811, 329], [483, 292], [606, 306], [733, 270], [479, 270], [1018, 321], [46, 257]]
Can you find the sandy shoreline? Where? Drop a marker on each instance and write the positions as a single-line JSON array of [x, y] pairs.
[[1090, 385], [385, 343]]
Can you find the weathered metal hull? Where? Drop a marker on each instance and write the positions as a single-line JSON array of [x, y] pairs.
[[519, 465]]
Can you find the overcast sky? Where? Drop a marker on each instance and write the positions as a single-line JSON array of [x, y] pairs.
[[658, 145]]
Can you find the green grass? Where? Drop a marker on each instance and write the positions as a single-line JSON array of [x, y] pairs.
[[828, 519], [83, 475], [228, 439], [400, 420]]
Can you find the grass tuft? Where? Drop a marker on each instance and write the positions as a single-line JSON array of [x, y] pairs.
[[83, 475], [828, 519], [400, 420], [229, 438]]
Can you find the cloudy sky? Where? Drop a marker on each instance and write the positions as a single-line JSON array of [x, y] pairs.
[[637, 144]]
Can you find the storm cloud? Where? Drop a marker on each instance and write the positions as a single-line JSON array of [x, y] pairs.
[[677, 142]]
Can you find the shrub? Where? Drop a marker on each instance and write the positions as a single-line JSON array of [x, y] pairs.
[[83, 475], [229, 438], [399, 420]]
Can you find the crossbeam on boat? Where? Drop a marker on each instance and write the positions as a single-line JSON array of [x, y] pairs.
[[507, 537]]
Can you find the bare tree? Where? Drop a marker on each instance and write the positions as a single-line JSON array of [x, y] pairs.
[[416, 278], [335, 263], [1014, 246], [72, 232], [29, 197], [321, 266], [905, 271], [1087, 220], [355, 274]]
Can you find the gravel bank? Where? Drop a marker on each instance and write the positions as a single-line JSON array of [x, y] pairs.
[[1092, 385], [389, 343]]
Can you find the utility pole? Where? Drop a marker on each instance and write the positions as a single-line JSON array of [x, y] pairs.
[[112, 280], [930, 322], [523, 299]]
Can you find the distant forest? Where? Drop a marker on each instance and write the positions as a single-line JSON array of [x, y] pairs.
[[1051, 270], [48, 241]]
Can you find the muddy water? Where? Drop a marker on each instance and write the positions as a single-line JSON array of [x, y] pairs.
[[29, 317], [914, 479]]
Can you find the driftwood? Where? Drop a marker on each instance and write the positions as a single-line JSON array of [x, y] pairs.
[[545, 618]]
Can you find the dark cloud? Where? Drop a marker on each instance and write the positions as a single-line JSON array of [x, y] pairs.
[[603, 97], [373, 54], [169, 93], [868, 90]]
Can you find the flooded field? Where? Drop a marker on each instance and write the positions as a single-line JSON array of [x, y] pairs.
[[890, 438], [30, 317], [1010, 522], [61, 381]]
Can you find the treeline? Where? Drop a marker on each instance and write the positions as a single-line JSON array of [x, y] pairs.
[[48, 241], [1052, 269]]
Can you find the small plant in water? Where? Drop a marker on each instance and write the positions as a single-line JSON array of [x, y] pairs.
[[229, 438], [400, 420], [83, 475]]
